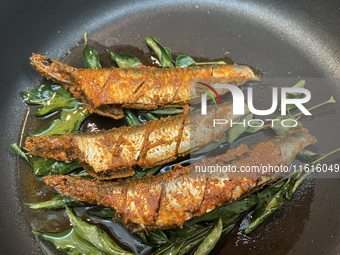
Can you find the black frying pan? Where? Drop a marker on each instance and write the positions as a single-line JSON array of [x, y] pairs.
[[298, 39]]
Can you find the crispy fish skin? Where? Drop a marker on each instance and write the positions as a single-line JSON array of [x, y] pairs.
[[107, 91], [171, 198], [112, 153]]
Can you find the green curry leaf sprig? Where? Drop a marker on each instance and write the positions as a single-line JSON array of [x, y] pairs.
[[163, 53], [51, 97], [165, 58], [272, 198], [124, 60], [186, 61], [195, 232], [91, 56], [69, 122], [83, 238], [295, 95]]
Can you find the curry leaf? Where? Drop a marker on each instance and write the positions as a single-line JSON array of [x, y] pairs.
[[110, 246], [192, 234], [186, 61], [197, 237], [227, 212], [210, 146], [40, 95], [156, 238], [149, 116], [188, 246], [104, 213], [280, 125], [142, 236], [46, 166], [69, 122], [276, 125], [295, 183], [124, 60], [270, 200], [69, 242], [95, 235], [145, 172], [228, 227], [302, 171], [55, 97], [308, 155], [91, 56], [52, 97], [256, 125], [186, 231], [295, 95], [237, 129], [42, 166], [130, 118], [86, 231], [329, 101], [163, 53], [210, 241], [57, 201], [177, 244]]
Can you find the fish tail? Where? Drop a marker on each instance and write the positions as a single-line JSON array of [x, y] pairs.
[[292, 142]]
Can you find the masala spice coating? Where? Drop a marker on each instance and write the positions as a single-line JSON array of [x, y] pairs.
[[113, 153], [107, 91], [169, 199]]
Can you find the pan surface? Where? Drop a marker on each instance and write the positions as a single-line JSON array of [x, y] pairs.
[[285, 39]]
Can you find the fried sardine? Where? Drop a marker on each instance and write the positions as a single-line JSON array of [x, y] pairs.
[[113, 153], [169, 199], [108, 91]]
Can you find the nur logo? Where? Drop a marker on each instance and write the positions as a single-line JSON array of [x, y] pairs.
[[209, 93], [238, 99]]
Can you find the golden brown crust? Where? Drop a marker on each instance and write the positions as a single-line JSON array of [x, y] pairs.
[[113, 153], [171, 198], [107, 91]]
